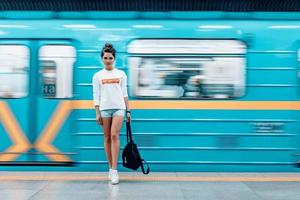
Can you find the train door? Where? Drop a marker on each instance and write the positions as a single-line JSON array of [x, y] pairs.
[[15, 100], [54, 140], [44, 113]]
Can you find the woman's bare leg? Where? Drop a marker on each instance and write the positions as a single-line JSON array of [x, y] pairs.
[[107, 139], [117, 122]]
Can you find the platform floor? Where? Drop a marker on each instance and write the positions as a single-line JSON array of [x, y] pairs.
[[94, 185]]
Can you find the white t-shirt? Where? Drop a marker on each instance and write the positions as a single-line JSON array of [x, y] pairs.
[[109, 89]]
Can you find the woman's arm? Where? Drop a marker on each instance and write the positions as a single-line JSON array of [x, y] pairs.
[[125, 95], [96, 91], [96, 99], [127, 103], [97, 110], [124, 90]]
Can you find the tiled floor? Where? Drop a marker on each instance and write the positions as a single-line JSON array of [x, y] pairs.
[[93, 185]]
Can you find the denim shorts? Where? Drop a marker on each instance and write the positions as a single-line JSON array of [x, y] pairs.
[[112, 112]]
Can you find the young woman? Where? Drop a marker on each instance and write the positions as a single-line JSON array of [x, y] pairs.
[[111, 104]]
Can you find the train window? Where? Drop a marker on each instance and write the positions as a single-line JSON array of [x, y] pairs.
[[14, 65], [187, 68], [56, 70]]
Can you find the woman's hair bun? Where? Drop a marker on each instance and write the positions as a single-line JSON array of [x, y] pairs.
[[108, 45], [108, 48]]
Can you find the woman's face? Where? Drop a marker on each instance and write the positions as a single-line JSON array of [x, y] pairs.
[[108, 59]]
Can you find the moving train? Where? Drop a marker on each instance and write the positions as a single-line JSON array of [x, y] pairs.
[[209, 91]]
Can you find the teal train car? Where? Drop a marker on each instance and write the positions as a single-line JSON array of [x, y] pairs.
[[209, 91]]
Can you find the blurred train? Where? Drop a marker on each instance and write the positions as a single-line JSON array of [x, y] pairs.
[[209, 91]]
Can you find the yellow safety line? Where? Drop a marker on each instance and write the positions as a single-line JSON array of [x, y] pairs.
[[149, 178]]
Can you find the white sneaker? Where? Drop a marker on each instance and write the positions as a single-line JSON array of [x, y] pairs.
[[109, 174], [114, 177]]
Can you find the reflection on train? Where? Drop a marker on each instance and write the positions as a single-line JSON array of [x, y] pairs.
[[177, 74]]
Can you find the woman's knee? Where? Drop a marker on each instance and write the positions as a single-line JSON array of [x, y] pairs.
[[107, 138], [114, 135]]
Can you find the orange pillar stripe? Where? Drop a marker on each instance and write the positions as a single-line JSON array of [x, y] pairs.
[[20, 142], [44, 142]]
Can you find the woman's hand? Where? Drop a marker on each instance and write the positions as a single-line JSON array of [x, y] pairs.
[[128, 117], [99, 119]]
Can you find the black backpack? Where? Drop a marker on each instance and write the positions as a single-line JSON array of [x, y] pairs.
[[131, 156]]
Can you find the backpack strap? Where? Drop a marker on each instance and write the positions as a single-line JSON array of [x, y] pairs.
[[128, 132], [142, 166]]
